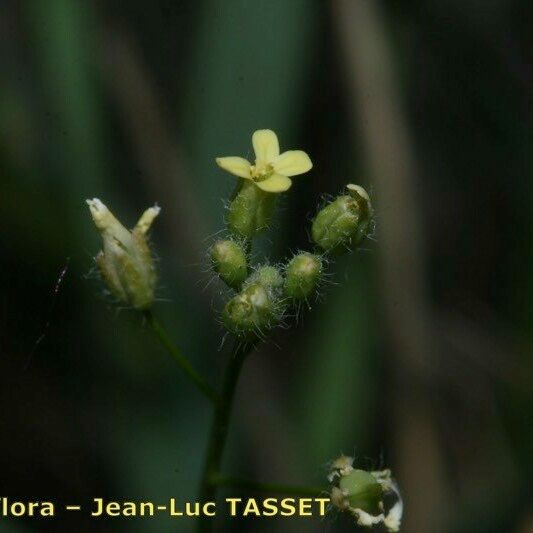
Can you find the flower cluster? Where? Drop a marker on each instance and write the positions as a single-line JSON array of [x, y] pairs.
[[264, 293], [262, 300]]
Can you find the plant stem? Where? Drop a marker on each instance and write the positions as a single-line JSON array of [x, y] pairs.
[[219, 428], [276, 488], [182, 361]]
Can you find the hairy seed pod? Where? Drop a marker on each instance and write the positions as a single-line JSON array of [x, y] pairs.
[[344, 222], [250, 210], [302, 275], [229, 261], [250, 311]]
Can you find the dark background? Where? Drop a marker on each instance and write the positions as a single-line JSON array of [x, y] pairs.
[[419, 358]]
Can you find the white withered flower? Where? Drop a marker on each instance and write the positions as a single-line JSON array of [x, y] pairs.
[[125, 262], [341, 466]]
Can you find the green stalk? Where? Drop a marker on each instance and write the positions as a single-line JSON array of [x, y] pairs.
[[182, 361], [219, 428]]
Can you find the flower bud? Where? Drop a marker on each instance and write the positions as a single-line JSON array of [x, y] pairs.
[[250, 311], [302, 275], [229, 262], [269, 277], [343, 222], [371, 497], [125, 263], [250, 210]]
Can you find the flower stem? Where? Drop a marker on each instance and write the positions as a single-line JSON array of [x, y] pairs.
[[219, 428], [182, 361], [276, 488]]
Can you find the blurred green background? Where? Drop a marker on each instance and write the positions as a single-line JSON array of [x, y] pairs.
[[419, 358]]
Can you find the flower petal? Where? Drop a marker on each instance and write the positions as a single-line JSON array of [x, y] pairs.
[[147, 218], [235, 165], [106, 223], [266, 145], [276, 183], [292, 163]]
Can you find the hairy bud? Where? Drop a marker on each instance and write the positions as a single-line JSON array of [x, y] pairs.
[[250, 210], [302, 275], [251, 311], [269, 277], [125, 262], [343, 222], [229, 261]]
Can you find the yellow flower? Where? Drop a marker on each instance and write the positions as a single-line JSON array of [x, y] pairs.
[[272, 170]]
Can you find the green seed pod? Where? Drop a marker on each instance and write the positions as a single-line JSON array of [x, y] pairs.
[[343, 222], [302, 275], [229, 262], [250, 311], [362, 491], [125, 263], [269, 277], [250, 210]]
